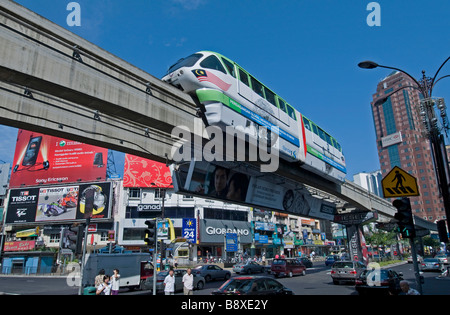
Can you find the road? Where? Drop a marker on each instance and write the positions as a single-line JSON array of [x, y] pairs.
[[317, 281]]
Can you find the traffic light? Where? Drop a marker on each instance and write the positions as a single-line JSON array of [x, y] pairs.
[[75, 238], [404, 217], [150, 232], [442, 230]]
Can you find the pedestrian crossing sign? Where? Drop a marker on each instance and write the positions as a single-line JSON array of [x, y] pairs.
[[398, 183]]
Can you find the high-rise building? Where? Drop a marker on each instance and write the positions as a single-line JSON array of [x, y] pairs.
[[402, 141], [370, 181]]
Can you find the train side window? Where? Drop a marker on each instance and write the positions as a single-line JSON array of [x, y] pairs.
[[291, 112], [257, 87], [315, 129], [243, 77], [230, 67], [306, 123], [328, 138], [212, 62], [282, 104], [322, 134], [270, 96]]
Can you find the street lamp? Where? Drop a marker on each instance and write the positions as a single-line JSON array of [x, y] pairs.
[[425, 86]]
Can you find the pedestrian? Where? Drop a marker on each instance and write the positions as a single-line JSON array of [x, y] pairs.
[[115, 282], [404, 285], [104, 288], [99, 278], [188, 282], [169, 283]]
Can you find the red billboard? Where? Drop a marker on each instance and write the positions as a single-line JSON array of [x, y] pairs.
[[140, 172], [42, 159]]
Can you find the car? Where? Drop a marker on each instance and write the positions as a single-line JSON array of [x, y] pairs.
[[306, 261], [379, 281], [199, 281], [331, 259], [432, 264], [419, 259], [252, 285], [346, 270], [211, 272], [442, 258], [287, 267], [248, 267]]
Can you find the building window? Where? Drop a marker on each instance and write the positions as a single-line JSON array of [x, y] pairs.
[[135, 193], [54, 238]]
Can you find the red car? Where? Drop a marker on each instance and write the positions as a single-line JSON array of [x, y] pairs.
[[287, 267]]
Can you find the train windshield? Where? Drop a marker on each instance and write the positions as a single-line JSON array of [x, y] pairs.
[[185, 62]]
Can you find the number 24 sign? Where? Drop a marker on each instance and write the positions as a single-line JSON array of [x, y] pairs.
[[190, 230]]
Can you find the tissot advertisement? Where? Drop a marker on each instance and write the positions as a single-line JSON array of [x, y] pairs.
[[63, 203]]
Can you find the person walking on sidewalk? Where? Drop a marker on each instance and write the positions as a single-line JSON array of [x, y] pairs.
[[188, 282], [115, 282], [169, 283]]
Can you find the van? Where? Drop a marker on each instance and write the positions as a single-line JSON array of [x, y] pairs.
[[346, 270], [287, 267]]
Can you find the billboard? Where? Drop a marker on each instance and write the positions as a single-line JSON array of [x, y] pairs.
[[239, 183], [42, 159], [59, 203], [140, 172]]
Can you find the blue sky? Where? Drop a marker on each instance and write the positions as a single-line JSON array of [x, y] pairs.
[[305, 50]]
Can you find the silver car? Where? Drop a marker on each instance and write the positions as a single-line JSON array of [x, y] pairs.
[[248, 267], [432, 264], [346, 271], [211, 272]]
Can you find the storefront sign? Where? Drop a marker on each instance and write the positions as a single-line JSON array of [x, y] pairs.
[[214, 231], [19, 246], [149, 207]]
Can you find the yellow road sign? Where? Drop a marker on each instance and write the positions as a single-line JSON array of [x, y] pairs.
[[398, 183]]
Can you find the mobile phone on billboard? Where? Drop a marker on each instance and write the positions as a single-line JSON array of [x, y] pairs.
[[32, 151]]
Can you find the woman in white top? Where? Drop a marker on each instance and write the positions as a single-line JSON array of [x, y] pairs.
[[115, 282], [104, 288]]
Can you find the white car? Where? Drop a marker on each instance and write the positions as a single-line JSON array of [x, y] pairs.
[[419, 259]]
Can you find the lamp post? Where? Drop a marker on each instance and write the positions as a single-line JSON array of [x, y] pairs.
[[425, 86]]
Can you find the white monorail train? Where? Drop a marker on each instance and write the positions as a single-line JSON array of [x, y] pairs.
[[233, 97]]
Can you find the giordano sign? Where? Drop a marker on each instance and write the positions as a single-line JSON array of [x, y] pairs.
[[213, 231], [221, 231]]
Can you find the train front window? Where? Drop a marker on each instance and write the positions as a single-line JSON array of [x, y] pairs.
[[185, 62], [212, 62], [230, 67]]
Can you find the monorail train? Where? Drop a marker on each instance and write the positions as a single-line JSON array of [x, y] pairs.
[[233, 97]]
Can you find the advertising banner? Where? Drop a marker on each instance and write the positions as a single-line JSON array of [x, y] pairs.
[[43, 159], [19, 246], [59, 203], [238, 183], [140, 172], [190, 230]]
